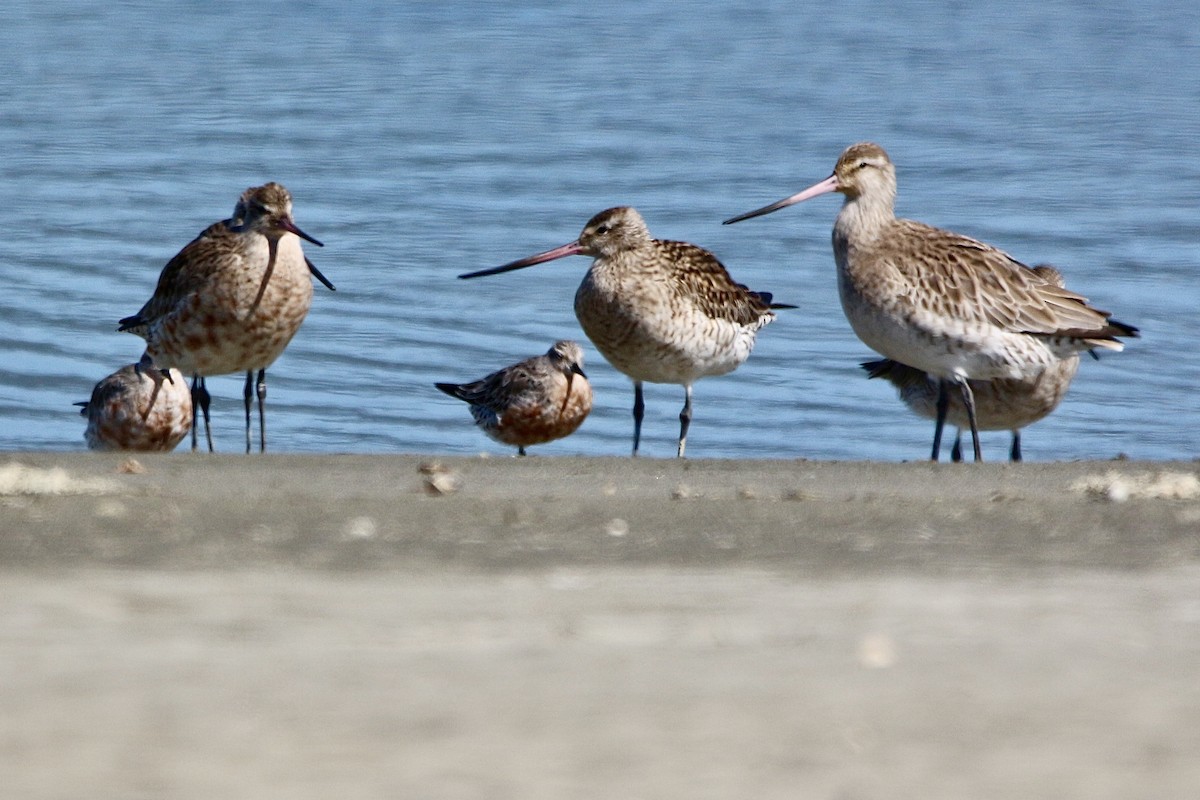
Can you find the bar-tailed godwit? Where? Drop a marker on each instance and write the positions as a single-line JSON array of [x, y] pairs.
[[533, 401], [948, 305], [138, 409], [659, 311], [232, 299]]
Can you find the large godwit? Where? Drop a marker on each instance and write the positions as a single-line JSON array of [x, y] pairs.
[[231, 300], [942, 303], [533, 401], [138, 409], [659, 311], [1003, 404]]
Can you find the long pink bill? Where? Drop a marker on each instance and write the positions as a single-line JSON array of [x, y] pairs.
[[826, 186], [291, 227], [572, 249]]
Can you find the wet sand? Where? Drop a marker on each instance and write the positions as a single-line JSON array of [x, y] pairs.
[[334, 626]]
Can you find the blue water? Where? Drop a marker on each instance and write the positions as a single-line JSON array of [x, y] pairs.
[[423, 140]]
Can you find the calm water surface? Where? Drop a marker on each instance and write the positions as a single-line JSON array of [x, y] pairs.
[[424, 140]]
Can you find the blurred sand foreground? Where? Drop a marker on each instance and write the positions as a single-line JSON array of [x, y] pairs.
[[355, 627]]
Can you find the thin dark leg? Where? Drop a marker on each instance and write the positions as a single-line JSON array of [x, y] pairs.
[[201, 400], [968, 398], [248, 396], [520, 449], [639, 410], [195, 409], [262, 411], [685, 419], [205, 402], [943, 403], [1015, 453], [956, 450]]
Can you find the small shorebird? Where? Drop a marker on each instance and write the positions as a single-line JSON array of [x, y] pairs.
[[138, 409], [231, 300], [1003, 404], [659, 311], [945, 304], [533, 401]]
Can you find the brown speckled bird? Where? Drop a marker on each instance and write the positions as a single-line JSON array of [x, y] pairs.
[[659, 311], [232, 300], [945, 304], [138, 409], [533, 401]]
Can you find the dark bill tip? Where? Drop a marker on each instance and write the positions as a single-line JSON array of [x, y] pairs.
[[317, 274]]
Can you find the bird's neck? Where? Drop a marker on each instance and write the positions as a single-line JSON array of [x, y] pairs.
[[625, 262], [863, 218]]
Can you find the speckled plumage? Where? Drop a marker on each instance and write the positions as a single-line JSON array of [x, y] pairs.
[[234, 297], [940, 302], [659, 311], [134, 409], [533, 401]]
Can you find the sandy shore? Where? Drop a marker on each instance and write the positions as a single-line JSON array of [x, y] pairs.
[[349, 626]]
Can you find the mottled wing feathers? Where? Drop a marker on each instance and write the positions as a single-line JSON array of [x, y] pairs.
[[189, 270], [973, 282], [497, 390], [704, 279]]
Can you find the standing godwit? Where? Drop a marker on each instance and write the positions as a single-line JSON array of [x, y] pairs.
[[138, 409], [533, 401], [232, 299], [942, 303], [659, 311]]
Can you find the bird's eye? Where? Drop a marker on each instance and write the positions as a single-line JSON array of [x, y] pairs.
[[603, 229], [863, 164]]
